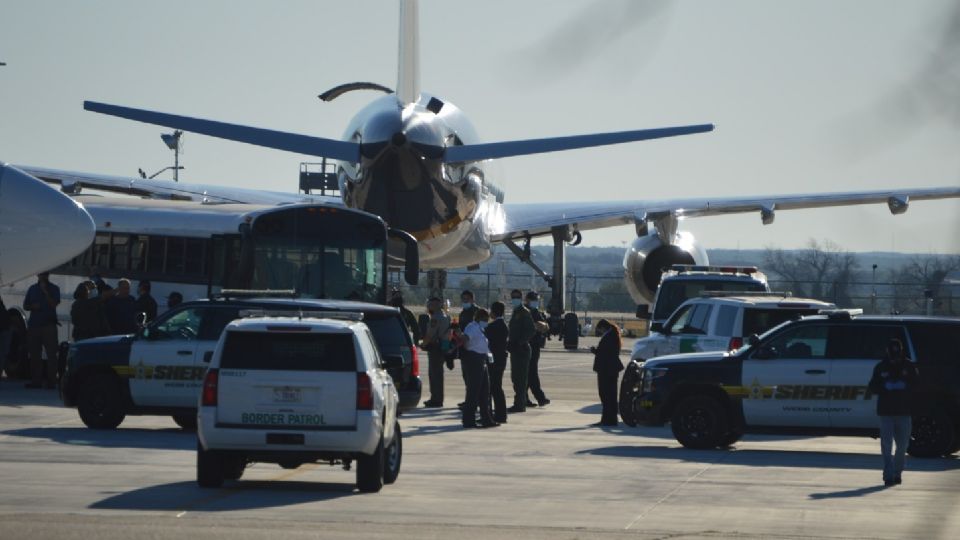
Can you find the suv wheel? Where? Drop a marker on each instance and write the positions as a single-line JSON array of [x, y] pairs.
[[187, 422], [730, 438], [699, 422], [370, 470], [933, 435], [233, 467], [393, 457], [629, 394], [210, 467], [100, 402]]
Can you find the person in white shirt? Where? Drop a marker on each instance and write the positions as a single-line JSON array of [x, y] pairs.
[[476, 353]]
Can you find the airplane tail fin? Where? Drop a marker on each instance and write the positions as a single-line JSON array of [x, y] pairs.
[[408, 62]]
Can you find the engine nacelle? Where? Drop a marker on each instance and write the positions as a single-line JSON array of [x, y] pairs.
[[648, 256]]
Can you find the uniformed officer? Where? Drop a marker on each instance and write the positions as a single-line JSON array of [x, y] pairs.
[[522, 330], [497, 333], [537, 342], [433, 339]]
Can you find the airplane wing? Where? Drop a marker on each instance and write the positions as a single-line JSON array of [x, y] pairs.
[[538, 218], [69, 181]]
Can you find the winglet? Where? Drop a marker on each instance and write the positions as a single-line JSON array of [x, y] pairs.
[[408, 62]]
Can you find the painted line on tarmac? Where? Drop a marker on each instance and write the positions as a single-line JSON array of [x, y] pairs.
[[672, 492], [231, 491]]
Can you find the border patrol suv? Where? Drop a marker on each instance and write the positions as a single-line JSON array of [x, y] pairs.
[[298, 390], [159, 370], [807, 377]]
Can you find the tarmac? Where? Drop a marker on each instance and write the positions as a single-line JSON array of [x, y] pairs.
[[547, 473]]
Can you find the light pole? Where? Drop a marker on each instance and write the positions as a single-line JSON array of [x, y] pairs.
[[873, 295], [172, 140]]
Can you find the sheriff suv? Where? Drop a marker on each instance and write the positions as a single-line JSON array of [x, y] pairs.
[[807, 377], [295, 390], [159, 370]]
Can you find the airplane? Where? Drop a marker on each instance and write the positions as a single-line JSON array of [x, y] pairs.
[[40, 227], [414, 159]]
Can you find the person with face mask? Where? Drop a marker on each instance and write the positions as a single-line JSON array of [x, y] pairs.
[[436, 333], [894, 381], [476, 353], [537, 342], [521, 330]]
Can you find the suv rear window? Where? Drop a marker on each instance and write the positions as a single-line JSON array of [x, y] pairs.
[[282, 351], [936, 343], [759, 320], [389, 333]]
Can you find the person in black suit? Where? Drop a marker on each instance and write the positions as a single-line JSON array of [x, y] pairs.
[[537, 342], [497, 334], [607, 364]]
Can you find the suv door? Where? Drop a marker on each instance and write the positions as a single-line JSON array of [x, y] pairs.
[[787, 379], [855, 349], [688, 331]]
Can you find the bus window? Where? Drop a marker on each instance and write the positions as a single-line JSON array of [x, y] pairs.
[[195, 257], [175, 256], [138, 253], [156, 252], [120, 252]]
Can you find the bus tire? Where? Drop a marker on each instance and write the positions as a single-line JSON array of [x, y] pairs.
[[699, 422], [393, 456], [100, 402]]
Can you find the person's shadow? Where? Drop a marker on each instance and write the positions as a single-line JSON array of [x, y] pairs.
[[845, 494]]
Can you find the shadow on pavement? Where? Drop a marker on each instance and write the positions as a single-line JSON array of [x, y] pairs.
[[859, 492], [240, 495], [166, 439], [13, 394], [771, 458]]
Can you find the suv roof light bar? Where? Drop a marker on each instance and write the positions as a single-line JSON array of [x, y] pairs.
[[256, 293], [681, 268], [721, 294], [848, 313], [301, 314]]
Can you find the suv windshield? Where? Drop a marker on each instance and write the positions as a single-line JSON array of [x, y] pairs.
[[285, 351]]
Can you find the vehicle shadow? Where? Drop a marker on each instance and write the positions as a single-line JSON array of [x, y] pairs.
[[769, 458], [239, 495], [13, 394], [167, 439]]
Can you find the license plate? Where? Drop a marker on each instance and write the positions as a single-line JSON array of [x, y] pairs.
[[287, 394]]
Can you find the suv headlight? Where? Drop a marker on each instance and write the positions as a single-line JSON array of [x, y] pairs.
[[648, 376]]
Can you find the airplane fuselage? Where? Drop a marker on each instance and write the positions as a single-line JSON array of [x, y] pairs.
[[452, 209]]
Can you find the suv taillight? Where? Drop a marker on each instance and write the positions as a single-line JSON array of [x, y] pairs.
[[210, 383], [364, 392], [735, 343], [415, 365]]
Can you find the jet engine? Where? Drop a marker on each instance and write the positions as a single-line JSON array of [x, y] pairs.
[[648, 256]]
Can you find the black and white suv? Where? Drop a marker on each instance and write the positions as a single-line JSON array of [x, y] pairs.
[[159, 370], [808, 376], [295, 390]]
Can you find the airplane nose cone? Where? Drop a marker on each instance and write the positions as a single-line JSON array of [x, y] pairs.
[[40, 228]]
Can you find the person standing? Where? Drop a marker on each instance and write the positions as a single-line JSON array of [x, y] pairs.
[[86, 313], [145, 303], [521, 330], [473, 360], [6, 333], [41, 301], [537, 342], [894, 381], [396, 300], [497, 334], [436, 334], [469, 310], [121, 309], [607, 365], [174, 299]]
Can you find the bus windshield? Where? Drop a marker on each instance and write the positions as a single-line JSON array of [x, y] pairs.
[[319, 252]]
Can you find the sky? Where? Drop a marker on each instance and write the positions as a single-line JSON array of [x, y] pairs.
[[807, 96]]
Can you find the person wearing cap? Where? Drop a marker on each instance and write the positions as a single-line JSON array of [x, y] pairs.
[[521, 330], [41, 301], [537, 342], [894, 381]]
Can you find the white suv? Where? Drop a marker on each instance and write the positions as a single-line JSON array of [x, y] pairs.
[[290, 391], [720, 322]]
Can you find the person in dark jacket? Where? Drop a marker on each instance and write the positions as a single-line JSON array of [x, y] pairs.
[[145, 303], [86, 313], [497, 334], [121, 309], [894, 381], [41, 301], [396, 300], [607, 364], [537, 342], [522, 330], [6, 333]]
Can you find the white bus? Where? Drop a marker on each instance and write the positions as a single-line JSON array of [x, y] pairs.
[[196, 249]]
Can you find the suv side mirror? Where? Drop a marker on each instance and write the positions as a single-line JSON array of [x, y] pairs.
[[753, 340], [393, 361], [657, 327], [643, 311], [207, 357], [765, 353]]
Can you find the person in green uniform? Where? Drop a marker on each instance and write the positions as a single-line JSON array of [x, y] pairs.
[[522, 330]]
